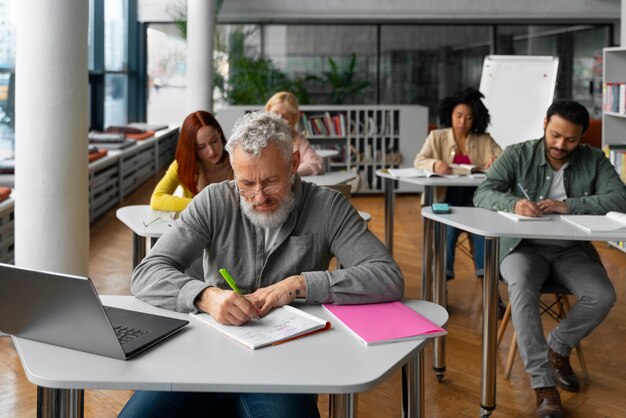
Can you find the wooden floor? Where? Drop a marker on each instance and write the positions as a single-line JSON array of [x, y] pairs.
[[459, 393]]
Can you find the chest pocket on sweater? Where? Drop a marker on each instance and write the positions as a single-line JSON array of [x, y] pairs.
[[296, 255]]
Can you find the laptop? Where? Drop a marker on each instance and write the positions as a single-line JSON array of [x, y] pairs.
[[65, 310]]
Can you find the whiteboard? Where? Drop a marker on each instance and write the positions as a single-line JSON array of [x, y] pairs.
[[518, 91]]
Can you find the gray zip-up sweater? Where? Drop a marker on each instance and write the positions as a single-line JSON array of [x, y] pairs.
[[323, 224]]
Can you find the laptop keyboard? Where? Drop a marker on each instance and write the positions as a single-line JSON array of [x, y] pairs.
[[126, 335]]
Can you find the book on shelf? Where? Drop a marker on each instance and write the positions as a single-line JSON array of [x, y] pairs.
[[615, 98], [278, 326], [106, 137], [147, 126], [611, 222], [381, 323], [116, 146], [616, 153], [522, 218]]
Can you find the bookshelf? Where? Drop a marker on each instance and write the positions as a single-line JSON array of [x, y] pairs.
[[111, 178], [367, 137], [614, 113]]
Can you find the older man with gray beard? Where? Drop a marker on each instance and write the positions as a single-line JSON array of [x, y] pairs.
[[276, 234]]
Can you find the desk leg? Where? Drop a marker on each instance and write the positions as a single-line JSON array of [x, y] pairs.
[[490, 304], [413, 396], [139, 249], [57, 403], [428, 240], [389, 208], [440, 297], [343, 405], [427, 258]]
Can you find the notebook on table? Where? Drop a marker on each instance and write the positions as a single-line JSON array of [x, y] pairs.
[[278, 326], [611, 222], [381, 323], [65, 310]]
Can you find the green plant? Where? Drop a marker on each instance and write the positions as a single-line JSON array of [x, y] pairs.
[[342, 82]]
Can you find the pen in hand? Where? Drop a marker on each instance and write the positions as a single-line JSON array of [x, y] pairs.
[[231, 282], [524, 192]]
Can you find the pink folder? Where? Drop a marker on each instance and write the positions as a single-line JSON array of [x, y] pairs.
[[380, 323]]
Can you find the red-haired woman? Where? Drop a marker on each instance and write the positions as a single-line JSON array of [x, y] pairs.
[[200, 161]]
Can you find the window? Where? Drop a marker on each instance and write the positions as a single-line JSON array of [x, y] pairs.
[[167, 73]]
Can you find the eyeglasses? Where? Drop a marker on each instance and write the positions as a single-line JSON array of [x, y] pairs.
[[252, 193], [161, 216]]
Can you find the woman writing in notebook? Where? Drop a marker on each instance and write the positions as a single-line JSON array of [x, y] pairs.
[[285, 104], [200, 161], [462, 140]]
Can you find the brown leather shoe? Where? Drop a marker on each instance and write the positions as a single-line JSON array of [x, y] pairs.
[[565, 377], [548, 403]]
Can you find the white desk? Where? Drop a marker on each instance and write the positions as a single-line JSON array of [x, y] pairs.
[[430, 230], [326, 155], [493, 226], [136, 218], [195, 359], [331, 178], [429, 184]]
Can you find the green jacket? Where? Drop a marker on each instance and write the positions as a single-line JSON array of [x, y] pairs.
[[591, 183]]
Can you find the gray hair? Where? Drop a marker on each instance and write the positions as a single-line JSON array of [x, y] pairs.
[[254, 131]]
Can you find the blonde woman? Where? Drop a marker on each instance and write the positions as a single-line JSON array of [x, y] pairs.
[[285, 104]]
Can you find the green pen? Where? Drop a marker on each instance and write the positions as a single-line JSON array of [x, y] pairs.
[[229, 280]]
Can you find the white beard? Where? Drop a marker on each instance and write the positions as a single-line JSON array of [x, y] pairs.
[[269, 220]]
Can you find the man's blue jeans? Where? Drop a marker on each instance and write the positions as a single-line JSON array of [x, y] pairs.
[[145, 404]]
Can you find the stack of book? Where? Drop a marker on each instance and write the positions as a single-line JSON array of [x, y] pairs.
[[323, 124], [617, 155], [615, 98], [110, 140]]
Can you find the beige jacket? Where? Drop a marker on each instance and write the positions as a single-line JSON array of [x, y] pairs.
[[440, 145]]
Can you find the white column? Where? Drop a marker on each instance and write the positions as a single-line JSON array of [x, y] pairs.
[[51, 178], [200, 34]]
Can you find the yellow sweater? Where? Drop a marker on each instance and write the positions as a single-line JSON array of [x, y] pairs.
[[163, 196]]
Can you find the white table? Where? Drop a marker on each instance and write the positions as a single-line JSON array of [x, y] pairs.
[[430, 230], [494, 226], [331, 178], [326, 155], [198, 359], [145, 223]]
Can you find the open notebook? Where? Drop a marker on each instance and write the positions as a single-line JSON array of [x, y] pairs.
[[380, 323], [278, 326], [416, 172], [611, 222], [522, 218]]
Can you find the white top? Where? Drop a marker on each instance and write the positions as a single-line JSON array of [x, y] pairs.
[[199, 358], [330, 179], [144, 221], [491, 224], [435, 181]]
